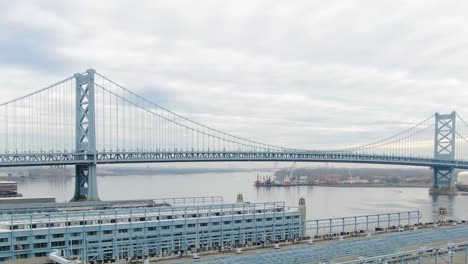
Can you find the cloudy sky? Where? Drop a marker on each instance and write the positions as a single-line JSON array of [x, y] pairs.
[[306, 74]]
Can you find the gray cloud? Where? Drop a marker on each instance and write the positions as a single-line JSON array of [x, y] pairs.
[[300, 74]]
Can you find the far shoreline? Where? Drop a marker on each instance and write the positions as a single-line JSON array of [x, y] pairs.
[[352, 185]]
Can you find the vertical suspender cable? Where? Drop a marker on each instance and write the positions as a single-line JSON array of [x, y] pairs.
[[117, 117], [64, 105], [15, 130], [103, 118], [56, 114], [23, 134], [4, 136], [124, 121], [138, 122], [38, 114], [7, 124], [47, 130], [52, 127], [110, 117]]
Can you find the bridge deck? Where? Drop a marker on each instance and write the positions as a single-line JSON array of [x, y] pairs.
[[46, 159]]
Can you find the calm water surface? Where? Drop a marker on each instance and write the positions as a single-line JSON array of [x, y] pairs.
[[322, 202]]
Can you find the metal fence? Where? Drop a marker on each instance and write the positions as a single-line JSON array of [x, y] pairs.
[[361, 223], [27, 208], [404, 247]]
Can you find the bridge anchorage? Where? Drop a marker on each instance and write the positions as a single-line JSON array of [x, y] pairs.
[[87, 120]]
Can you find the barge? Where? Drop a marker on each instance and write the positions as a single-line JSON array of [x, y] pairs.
[[9, 189]]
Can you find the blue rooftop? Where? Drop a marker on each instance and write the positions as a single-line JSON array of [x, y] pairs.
[[368, 247]]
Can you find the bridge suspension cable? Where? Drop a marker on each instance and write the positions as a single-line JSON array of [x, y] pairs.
[[417, 141], [461, 140], [150, 127], [44, 122], [39, 122], [88, 119]]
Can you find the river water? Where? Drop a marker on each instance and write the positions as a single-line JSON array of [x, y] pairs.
[[322, 202]]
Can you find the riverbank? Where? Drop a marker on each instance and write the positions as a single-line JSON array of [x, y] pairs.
[[371, 185], [360, 185]]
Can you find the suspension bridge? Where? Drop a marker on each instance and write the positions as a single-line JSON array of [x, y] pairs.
[[88, 119]]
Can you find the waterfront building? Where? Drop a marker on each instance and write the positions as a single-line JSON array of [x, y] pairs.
[[147, 231]]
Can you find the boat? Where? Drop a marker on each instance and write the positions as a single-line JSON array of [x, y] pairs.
[[290, 180], [268, 182], [9, 189]]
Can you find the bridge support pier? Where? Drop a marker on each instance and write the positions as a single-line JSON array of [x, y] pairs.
[[443, 182], [85, 173], [85, 183], [444, 149]]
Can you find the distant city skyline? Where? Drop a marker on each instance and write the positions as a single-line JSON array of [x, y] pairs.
[[312, 74]]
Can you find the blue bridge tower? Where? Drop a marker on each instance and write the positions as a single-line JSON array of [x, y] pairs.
[[444, 149]]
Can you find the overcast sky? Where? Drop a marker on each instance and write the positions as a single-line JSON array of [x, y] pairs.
[[305, 74]]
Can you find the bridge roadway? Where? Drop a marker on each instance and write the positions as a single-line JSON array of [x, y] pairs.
[[47, 159]]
